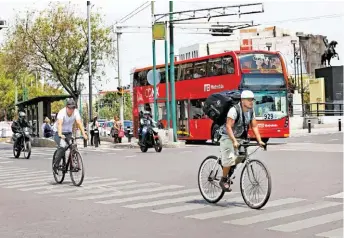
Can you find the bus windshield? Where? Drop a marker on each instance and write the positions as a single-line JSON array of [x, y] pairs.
[[270, 105]]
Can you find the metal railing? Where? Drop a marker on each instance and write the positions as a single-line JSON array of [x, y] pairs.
[[318, 109]]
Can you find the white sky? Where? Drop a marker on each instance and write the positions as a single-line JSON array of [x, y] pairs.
[[136, 48]]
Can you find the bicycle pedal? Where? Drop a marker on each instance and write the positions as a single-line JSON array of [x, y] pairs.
[[231, 182], [233, 177]]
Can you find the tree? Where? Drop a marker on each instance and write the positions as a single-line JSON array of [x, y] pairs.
[[109, 106], [55, 40]]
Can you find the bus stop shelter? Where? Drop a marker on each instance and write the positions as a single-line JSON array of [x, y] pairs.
[[37, 109]]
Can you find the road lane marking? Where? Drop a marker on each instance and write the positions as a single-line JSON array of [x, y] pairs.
[[338, 195], [308, 223], [163, 202], [282, 213], [56, 189], [89, 189], [99, 189], [190, 207], [237, 210], [336, 233], [158, 195], [128, 192]]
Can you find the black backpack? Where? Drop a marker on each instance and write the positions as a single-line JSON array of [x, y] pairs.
[[217, 105]]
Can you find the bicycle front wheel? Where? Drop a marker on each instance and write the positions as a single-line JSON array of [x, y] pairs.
[[77, 171], [255, 179], [209, 175]]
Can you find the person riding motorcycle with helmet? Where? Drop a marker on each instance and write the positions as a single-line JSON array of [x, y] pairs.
[[19, 124]]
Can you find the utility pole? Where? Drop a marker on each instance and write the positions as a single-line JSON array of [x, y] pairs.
[[121, 111], [89, 58], [154, 67], [172, 78]]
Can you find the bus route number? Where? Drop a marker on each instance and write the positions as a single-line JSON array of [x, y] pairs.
[[268, 116]]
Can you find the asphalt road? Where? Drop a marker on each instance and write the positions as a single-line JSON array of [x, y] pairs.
[[127, 193]]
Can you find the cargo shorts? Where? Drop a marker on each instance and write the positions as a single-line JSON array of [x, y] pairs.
[[229, 155]]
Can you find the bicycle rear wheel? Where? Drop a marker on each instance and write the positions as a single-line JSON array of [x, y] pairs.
[[77, 171], [61, 171], [209, 175], [250, 178]]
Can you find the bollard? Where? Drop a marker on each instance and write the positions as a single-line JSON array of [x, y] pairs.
[[85, 141], [309, 126], [340, 124]]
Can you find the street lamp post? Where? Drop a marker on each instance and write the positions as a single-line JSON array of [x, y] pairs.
[[300, 35], [294, 43]]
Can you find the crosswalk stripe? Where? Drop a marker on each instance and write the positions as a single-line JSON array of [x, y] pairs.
[[128, 192], [307, 223], [4, 171], [6, 162], [282, 213], [27, 185], [58, 189], [45, 186], [25, 179], [99, 189], [158, 195], [338, 195], [22, 182], [237, 210], [336, 233], [25, 174], [190, 207], [88, 189], [163, 202]]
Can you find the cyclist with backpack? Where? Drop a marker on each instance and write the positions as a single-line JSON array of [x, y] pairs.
[[239, 118]]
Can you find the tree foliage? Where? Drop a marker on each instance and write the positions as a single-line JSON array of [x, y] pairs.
[[55, 41], [109, 106]]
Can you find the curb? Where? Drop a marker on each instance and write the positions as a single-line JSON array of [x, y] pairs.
[[136, 146]]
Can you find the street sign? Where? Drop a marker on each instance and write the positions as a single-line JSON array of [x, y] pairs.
[[159, 31]]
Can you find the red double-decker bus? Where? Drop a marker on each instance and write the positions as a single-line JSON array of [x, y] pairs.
[[263, 72]]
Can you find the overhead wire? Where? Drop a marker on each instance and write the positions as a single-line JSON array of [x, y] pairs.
[[135, 12]]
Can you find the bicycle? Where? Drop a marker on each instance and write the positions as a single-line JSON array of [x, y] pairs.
[[216, 170], [75, 158]]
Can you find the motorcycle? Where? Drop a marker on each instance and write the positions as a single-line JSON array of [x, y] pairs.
[[22, 143], [152, 138]]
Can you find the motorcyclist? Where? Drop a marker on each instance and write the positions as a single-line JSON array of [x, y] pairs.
[[19, 124], [145, 119]]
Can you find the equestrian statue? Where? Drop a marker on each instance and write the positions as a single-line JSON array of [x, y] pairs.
[[329, 53]]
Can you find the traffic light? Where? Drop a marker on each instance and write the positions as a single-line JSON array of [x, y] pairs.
[[120, 91]]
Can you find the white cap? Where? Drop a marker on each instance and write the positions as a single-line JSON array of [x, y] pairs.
[[247, 94]]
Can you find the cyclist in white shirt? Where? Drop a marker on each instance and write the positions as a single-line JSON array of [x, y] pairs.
[[63, 129]]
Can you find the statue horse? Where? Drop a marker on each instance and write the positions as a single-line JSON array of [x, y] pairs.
[[329, 53]]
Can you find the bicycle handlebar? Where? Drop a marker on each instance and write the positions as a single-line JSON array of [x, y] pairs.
[[246, 144]]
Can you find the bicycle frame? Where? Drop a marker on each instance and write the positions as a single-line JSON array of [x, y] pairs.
[[245, 161], [72, 147]]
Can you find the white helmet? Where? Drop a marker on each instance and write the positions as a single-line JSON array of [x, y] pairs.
[[247, 94]]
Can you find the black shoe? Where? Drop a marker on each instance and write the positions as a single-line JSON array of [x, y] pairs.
[[225, 185]]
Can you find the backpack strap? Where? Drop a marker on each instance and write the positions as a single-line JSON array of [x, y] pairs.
[[236, 106]]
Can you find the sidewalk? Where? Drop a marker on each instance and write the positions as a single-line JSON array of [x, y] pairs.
[[317, 130]]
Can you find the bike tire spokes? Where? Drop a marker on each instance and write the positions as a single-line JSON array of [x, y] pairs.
[[255, 184], [209, 176], [76, 169]]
